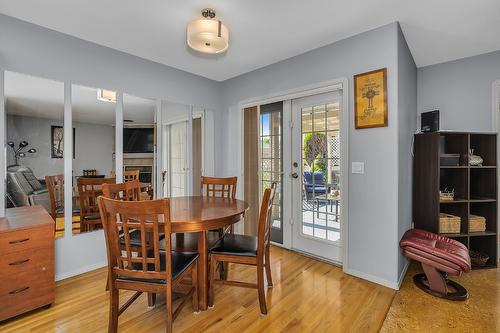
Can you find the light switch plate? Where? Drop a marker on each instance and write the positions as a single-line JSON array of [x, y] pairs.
[[358, 167]]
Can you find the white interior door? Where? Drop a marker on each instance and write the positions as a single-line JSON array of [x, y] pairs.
[[175, 159], [316, 162]]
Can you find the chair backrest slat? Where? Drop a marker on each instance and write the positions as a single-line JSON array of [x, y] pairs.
[[219, 187], [265, 218], [145, 216]]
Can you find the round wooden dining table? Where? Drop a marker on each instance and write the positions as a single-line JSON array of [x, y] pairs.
[[199, 215]]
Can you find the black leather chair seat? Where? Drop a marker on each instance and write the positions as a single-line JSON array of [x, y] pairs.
[[75, 210], [135, 238], [180, 262], [238, 245], [92, 217]]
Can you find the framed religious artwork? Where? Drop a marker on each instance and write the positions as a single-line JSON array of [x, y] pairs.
[[370, 99]]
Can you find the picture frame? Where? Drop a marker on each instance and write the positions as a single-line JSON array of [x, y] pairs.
[[57, 141], [370, 99]]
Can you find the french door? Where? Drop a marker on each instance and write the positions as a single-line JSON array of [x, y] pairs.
[[316, 174]]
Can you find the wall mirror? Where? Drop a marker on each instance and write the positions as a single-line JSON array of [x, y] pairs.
[[34, 124], [181, 149], [93, 118], [139, 143]]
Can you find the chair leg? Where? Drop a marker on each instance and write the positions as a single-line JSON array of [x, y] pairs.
[[168, 307], [113, 310], [194, 278], [268, 268], [107, 282], [211, 282], [151, 299], [260, 287]]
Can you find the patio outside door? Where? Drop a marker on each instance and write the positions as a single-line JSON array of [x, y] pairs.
[[315, 171]]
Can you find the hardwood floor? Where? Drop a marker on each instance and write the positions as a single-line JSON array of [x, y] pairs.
[[308, 296], [416, 311]]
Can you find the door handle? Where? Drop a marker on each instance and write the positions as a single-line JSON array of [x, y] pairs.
[[295, 175]]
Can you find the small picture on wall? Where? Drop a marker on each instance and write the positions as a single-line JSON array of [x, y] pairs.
[[370, 99], [57, 140]]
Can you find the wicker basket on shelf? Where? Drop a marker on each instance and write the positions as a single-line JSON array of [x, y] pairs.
[[477, 223], [449, 224]]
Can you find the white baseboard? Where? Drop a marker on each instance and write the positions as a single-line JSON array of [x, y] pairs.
[[403, 274], [80, 270], [375, 279]]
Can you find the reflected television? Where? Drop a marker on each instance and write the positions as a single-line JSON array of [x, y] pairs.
[[138, 140]]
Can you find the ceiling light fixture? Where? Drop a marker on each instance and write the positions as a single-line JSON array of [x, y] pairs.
[[106, 95], [207, 35]]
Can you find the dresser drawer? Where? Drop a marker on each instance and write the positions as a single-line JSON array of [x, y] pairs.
[[27, 278], [28, 297], [40, 260], [25, 239]]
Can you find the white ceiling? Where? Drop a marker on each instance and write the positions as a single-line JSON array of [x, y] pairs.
[[32, 96], [262, 31]]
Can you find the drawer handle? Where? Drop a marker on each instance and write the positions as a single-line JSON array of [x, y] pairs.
[[19, 262], [19, 241], [17, 291]]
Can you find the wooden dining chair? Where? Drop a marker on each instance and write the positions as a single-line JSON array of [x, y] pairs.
[[55, 188], [89, 189], [129, 191], [219, 187], [247, 250], [128, 175], [151, 270]]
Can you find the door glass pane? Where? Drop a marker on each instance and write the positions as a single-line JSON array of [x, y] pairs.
[[35, 144], [321, 171], [270, 161]]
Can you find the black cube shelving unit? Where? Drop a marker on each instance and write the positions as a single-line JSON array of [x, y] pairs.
[[475, 186]]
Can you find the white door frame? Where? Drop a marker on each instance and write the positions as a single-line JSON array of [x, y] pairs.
[[288, 95]]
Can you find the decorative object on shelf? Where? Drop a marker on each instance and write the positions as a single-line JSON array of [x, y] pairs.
[[57, 141], [89, 173], [478, 259], [449, 224], [207, 35], [449, 159], [448, 194], [370, 99], [477, 223], [475, 160], [21, 151]]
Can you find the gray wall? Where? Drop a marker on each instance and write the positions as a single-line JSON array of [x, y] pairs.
[[407, 121], [34, 50], [461, 90], [373, 213], [94, 148]]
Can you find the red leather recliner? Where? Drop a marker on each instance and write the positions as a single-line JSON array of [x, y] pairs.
[[439, 257]]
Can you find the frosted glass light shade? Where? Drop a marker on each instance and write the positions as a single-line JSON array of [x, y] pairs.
[[208, 36]]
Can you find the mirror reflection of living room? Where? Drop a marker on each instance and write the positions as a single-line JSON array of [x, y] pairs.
[[35, 150]]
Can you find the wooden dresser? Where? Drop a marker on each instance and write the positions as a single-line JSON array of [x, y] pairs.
[[26, 260]]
